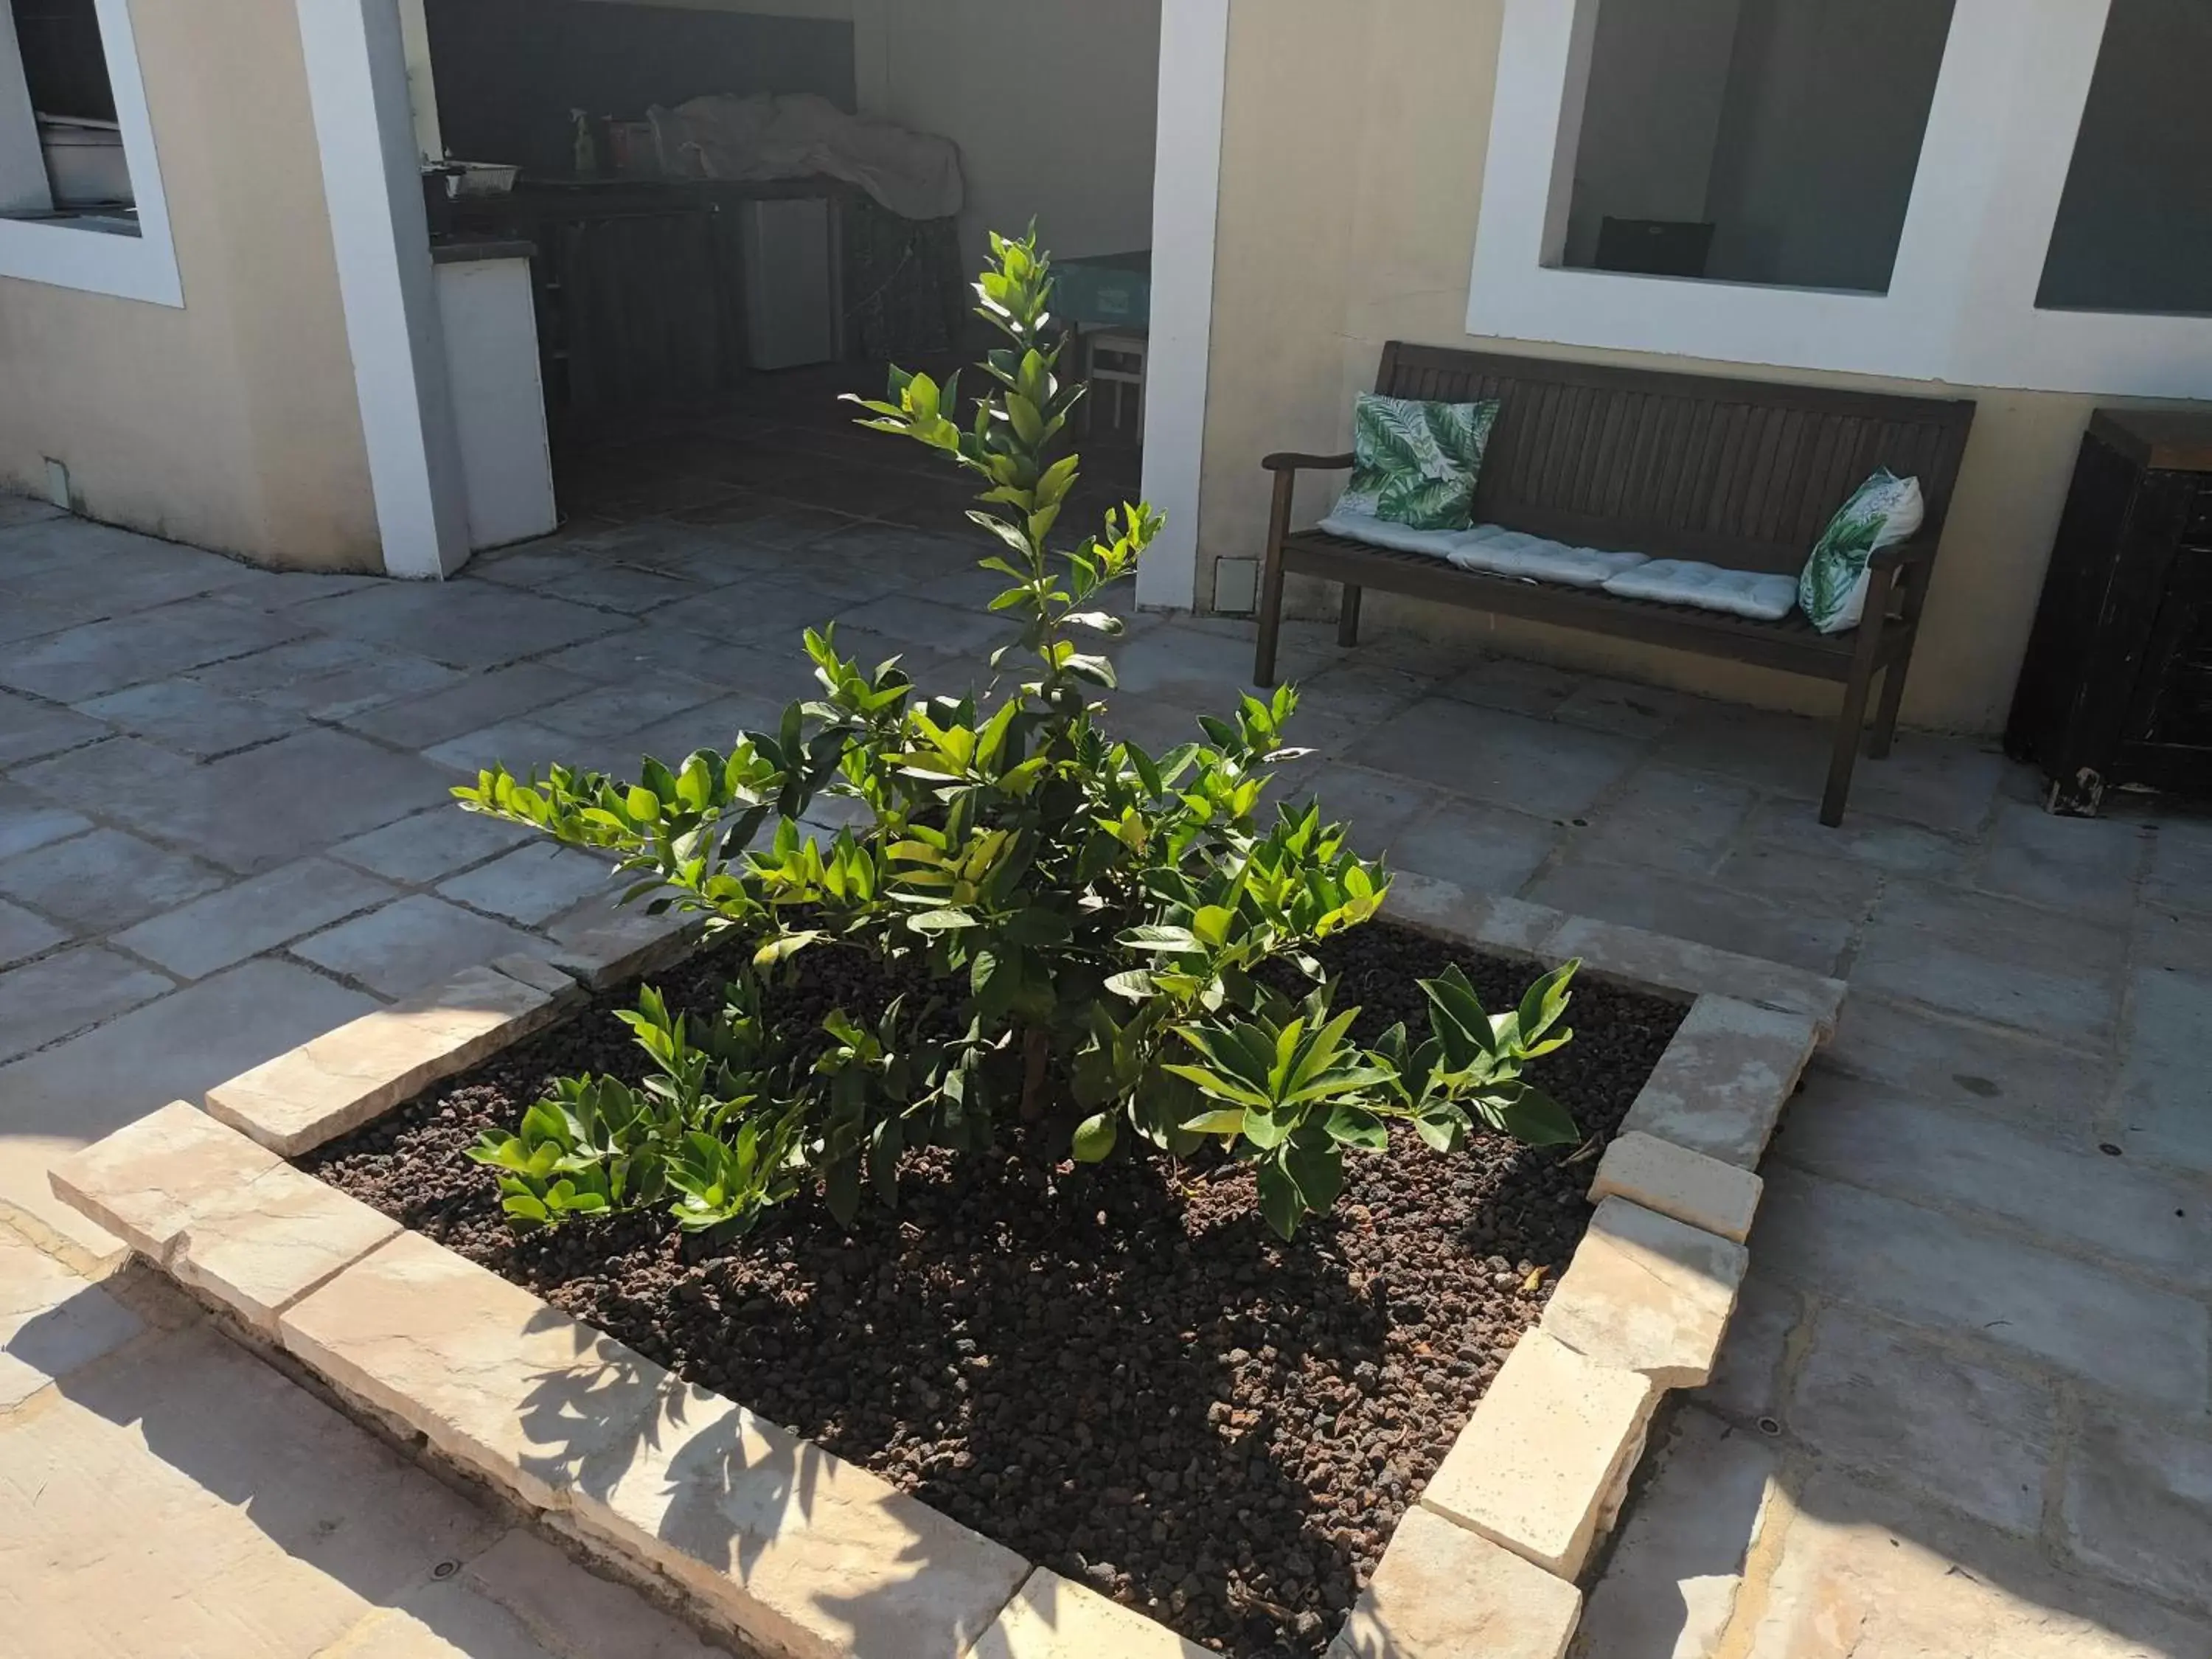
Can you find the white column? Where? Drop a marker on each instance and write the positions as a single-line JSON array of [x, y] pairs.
[[356, 63], [1186, 192]]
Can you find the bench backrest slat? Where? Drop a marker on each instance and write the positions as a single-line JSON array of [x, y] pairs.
[[1739, 473]]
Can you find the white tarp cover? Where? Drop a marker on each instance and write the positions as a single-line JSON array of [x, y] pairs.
[[800, 135]]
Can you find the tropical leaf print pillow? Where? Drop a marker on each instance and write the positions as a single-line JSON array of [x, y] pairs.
[[1883, 511], [1414, 462]]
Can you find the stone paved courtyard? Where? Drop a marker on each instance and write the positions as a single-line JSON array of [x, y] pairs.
[[1966, 1409]]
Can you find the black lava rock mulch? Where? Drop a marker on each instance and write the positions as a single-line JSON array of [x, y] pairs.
[[1116, 1370]]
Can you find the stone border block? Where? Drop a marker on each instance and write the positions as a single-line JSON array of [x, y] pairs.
[[543, 975], [1647, 1293], [1444, 1592], [634, 942], [144, 1182], [1664, 964], [803, 1553], [339, 1081], [1056, 1618], [261, 1247], [535, 1402], [220, 1212], [1492, 921], [1721, 1086], [1694, 1189], [1541, 1466]]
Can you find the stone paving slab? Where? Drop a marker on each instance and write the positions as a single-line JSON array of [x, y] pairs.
[[323, 678], [2162, 1104], [1952, 1160], [192, 718], [1642, 958], [419, 940], [1965, 1436], [431, 845], [184, 1498], [1663, 819], [461, 624], [23, 935], [2088, 865], [1698, 1191], [1486, 848], [149, 1181], [467, 705], [1550, 771], [106, 880], [53, 1321], [69, 991], [1670, 1589], [1864, 1574], [1716, 914], [1995, 959], [107, 656], [31, 728], [534, 884], [2138, 1505], [562, 1604], [258, 915], [2011, 1075], [28, 821], [1930, 1269], [249, 812]]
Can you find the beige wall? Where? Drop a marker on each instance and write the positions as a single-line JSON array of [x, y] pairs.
[[232, 423], [1351, 168]]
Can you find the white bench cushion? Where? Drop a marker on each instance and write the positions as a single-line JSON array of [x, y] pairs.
[[1357, 526], [1709, 587], [1502, 552]]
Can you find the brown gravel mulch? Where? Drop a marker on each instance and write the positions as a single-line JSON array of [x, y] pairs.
[[1116, 1370]]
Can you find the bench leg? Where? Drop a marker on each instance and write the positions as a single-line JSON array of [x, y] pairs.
[[1347, 617], [1893, 697], [1270, 581], [1850, 725], [1850, 722]]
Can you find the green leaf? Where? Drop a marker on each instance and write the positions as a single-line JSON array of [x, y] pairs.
[[1315, 1162], [1225, 1120], [1532, 1117], [840, 1190], [1355, 1126], [1157, 937], [1280, 1202]]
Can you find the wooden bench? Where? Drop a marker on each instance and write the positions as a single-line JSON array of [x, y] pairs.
[[1743, 474]]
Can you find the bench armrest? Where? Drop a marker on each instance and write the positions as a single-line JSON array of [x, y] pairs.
[[1916, 550], [1289, 461]]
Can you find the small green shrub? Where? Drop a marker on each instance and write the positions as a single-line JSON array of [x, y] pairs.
[[1102, 933]]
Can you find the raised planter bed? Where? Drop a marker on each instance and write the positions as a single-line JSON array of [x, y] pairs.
[[1247, 1439]]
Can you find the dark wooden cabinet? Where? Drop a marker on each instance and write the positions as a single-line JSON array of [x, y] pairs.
[[2116, 688]]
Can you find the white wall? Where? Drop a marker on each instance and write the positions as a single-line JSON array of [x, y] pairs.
[[1053, 104]]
